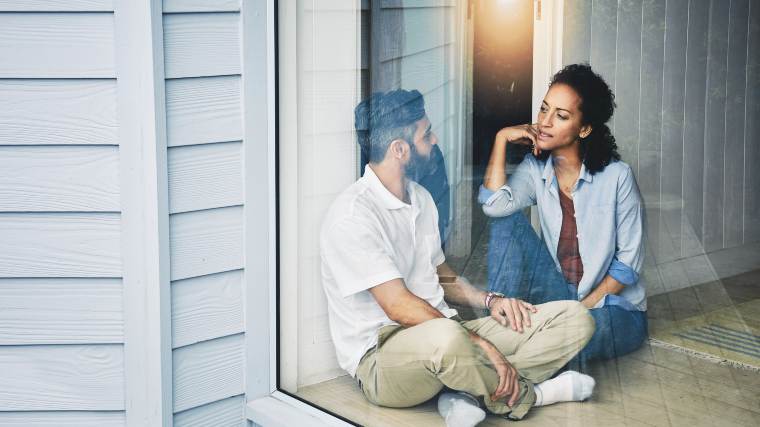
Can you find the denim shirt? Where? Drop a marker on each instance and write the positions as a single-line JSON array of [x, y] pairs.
[[609, 215]]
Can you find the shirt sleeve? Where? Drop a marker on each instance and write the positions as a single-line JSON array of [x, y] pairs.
[[517, 194], [629, 253], [623, 273], [356, 256]]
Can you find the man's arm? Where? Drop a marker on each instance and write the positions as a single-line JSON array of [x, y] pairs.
[[402, 306], [510, 312]]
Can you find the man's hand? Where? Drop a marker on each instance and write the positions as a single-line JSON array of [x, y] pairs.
[[512, 312], [508, 376]]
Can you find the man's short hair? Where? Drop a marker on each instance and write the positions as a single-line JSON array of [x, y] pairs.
[[385, 117]]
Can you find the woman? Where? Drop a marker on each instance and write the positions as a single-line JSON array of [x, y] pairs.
[[590, 209]]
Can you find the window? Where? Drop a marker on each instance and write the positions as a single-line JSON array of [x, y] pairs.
[[678, 259]]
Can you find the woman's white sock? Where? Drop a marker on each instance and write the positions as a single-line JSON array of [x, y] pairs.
[[569, 386], [460, 409]]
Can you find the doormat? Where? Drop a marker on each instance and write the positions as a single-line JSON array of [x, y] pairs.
[[730, 335]]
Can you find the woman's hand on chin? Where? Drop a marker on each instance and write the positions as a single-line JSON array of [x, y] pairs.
[[526, 134]]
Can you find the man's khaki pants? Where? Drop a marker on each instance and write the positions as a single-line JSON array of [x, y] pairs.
[[411, 365]]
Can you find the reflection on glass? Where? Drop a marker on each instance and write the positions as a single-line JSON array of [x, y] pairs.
[[462, 259]]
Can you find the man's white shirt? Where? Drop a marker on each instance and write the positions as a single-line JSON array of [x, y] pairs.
[[369, 237]]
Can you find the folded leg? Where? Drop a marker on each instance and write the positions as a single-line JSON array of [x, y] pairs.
[[411, 365], [519, 263]]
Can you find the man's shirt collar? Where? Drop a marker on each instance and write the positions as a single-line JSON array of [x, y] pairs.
[[387, 198]]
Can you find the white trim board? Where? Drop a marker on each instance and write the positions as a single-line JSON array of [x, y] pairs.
[[259, 277], [281, 410], [145, 213]]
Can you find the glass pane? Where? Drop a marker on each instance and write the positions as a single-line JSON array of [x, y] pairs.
[[447, 167]]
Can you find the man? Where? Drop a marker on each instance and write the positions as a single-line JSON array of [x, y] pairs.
[[387, 287]]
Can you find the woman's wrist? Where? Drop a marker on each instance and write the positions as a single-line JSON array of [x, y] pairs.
[[502, 138]]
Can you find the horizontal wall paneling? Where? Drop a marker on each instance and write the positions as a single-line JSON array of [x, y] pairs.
[[38, 45], [207, 307], [227, 412], [60, 311], [425, 29], [56, 5], [206, 242], [202, 110], [70, 377], [60, 245], [174, 6], [208, 371], [205, 176], [201, 44], [426, 70], [390, 4], [59, 178], [63, 419], [58, 112]]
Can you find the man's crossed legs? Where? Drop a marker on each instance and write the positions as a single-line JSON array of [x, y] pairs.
[[411, 365]]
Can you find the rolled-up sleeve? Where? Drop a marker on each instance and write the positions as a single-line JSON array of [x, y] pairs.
[[624, 274], [629, 253], [519, 193]]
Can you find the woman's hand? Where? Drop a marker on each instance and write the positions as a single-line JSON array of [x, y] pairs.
[[509, 385], [496, 171], [521, 135], [512, 312]]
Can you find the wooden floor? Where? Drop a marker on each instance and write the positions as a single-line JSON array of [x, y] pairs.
[[651, 387]]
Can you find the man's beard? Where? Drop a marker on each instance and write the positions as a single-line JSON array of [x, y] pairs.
[[420, 166]]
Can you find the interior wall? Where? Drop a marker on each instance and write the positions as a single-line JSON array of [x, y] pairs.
[[685, 75], [324, 164]]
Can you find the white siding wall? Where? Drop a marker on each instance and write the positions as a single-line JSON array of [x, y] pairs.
[[202, 58], [62, 306], [61, 317]]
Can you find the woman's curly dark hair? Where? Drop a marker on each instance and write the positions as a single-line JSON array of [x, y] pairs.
[[598, 149]]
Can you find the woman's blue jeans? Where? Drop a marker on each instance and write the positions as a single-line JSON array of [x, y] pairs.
[[520, 266]]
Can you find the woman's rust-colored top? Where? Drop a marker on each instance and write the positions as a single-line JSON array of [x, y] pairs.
[[567, 249]]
